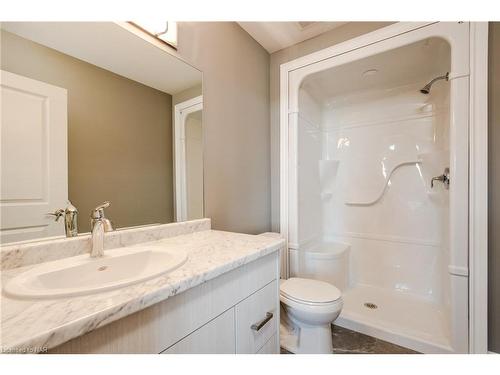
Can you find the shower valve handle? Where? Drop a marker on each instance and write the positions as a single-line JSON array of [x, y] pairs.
[[444, 178]]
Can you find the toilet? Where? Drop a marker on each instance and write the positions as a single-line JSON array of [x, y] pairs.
[[311, 299], [309, 308]]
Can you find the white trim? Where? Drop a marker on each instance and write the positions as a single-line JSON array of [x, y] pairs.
[[478, 193], [181, 111], [284, 71], [355, 43], [477, 215]]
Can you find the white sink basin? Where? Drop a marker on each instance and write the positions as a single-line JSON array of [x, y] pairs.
[[84, 275]]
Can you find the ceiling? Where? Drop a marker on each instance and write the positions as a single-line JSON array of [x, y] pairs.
[[411, 64], [114, 47], [274, 36]]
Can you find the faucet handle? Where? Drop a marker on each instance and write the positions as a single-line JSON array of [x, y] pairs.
[[57, 213], [98, 212], [444, 178]]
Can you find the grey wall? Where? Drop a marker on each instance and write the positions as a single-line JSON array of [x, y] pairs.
[[119, 135], [494, 191], [330, 38], [235, 123]]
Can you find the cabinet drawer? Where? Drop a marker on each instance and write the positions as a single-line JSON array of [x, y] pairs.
[[254, 323], [217, 336]]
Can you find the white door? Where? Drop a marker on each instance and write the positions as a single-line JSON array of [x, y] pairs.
[[34, 158], [188, 148]]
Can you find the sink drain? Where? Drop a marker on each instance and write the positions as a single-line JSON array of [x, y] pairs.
[[102, 268], [370, 305]]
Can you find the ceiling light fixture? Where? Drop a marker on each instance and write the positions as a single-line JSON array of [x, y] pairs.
[[166, 31]]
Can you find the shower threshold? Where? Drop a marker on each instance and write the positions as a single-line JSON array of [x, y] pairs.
[[395, 317]]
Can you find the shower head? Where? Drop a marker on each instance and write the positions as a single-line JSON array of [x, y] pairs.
[[427, 88]]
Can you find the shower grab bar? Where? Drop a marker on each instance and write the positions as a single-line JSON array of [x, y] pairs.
[[370, 203]]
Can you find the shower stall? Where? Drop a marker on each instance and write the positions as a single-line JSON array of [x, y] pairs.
[[375, 157]]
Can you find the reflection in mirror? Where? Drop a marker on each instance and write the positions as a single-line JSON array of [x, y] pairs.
[[194, 166], [189, 159], [87, 117]]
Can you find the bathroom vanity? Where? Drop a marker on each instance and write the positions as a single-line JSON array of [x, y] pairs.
[[139, 283], [223, 299]]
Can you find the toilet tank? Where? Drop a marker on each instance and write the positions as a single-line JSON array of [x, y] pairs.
[[326, 261]]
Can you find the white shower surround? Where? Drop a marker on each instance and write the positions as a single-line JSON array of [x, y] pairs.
[[398, 240], [404, 287]]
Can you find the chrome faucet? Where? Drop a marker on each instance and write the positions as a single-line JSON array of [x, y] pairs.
[[70, 219], [99, 225]]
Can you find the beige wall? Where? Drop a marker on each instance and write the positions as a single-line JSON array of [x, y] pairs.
[[235, 123], [187, 94], [194, 165], [330, 38], [119, 135], [494, 190]]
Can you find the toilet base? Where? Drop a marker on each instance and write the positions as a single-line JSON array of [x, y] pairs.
[[315, 340], [289, 339], [304, 339]]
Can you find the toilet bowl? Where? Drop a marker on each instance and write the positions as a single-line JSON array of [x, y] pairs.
[[310, 306]]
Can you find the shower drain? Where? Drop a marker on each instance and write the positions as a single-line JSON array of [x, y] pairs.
[[370, 305]]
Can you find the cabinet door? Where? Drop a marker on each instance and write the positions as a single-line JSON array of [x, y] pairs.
[[257, 319], [215, 337], [271, 346]]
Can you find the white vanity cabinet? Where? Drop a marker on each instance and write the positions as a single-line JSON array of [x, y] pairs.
[[217, 336], [236, 312], [261, 308], [244, 328]]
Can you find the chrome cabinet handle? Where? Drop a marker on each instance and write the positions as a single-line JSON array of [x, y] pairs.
[[257, 326]]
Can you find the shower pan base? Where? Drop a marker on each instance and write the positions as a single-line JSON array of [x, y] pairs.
[[398, 318]]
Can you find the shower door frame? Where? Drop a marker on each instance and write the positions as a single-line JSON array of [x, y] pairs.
[[476, 209]]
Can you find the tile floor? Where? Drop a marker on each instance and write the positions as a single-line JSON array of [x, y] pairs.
[[346, 341]]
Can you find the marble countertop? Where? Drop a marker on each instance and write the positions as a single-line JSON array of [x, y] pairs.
[[38, 325]]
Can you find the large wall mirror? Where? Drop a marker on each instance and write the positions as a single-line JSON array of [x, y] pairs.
[[95, 112]]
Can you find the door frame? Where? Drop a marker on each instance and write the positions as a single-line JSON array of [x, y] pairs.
[[478, 158], [181, 111]]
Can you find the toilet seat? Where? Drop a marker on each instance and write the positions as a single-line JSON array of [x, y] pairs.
[[309, 292]]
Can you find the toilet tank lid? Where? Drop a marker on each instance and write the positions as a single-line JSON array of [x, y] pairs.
[[309, 290]]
